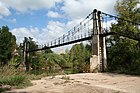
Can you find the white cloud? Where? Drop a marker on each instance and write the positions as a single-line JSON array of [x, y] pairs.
[[26, 5], [42, 36], [52, 31], [73, 8], [80, 8], [4, 10], [54, 14], [70, 24], [22, 32]]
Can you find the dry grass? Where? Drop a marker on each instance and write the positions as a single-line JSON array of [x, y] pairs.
[[13, 77]]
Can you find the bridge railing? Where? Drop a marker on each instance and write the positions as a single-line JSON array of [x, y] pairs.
[[81, 31], [84, 30]]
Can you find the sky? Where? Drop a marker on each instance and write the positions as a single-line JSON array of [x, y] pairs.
[[45, 20]]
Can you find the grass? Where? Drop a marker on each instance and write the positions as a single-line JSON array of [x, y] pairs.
[[10, 76], [19, 79], [13, 77], [13, 80]]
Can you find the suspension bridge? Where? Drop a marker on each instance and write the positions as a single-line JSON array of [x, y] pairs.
[[94, 27]]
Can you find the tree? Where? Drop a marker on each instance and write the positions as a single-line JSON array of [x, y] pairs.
[[123, 54], [38, 61], [7, 45], [66, 56], [55, 60], [80, 56]]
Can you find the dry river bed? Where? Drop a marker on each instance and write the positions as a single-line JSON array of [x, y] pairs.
[[84, 83]]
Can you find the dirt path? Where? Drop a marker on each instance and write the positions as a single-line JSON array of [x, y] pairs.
[[84, 83]]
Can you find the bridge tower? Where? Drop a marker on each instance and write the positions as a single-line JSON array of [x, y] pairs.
[[98, 60]]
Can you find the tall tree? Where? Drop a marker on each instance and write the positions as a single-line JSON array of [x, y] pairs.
[[80, 55], [7, 45], [124, 52], [54, 60]]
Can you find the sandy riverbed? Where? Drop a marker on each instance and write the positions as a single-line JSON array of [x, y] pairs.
[[84, 83]]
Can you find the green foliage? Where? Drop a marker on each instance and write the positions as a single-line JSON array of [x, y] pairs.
[[55, 60], [13, 77], [15, 61], [19, 79], [7, 45], [123, 54], [66, 56], [80, 56], [38, 61], [128, 9], [14, 80]]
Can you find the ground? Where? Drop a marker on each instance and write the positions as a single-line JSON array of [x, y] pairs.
[[84, 83]]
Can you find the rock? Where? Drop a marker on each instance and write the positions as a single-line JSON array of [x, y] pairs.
[[6, 87]]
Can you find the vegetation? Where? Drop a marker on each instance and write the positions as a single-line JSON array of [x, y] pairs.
[[80, 57], [55, 61], [7, 45], [123, 54], [38, 61], [13, 77], [18, 78]]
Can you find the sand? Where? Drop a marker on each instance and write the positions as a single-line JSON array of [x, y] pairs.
[[84, 83]]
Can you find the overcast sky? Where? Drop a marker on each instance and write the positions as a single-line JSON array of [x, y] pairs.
[[45, 20]]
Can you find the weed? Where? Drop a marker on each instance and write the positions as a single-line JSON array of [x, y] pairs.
[[12, 80]]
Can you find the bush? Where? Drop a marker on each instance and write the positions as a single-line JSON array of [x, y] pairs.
[[13, 80], [13, 77]]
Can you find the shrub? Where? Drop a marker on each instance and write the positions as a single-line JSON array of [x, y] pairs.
[[13, 77], [13, 80]]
